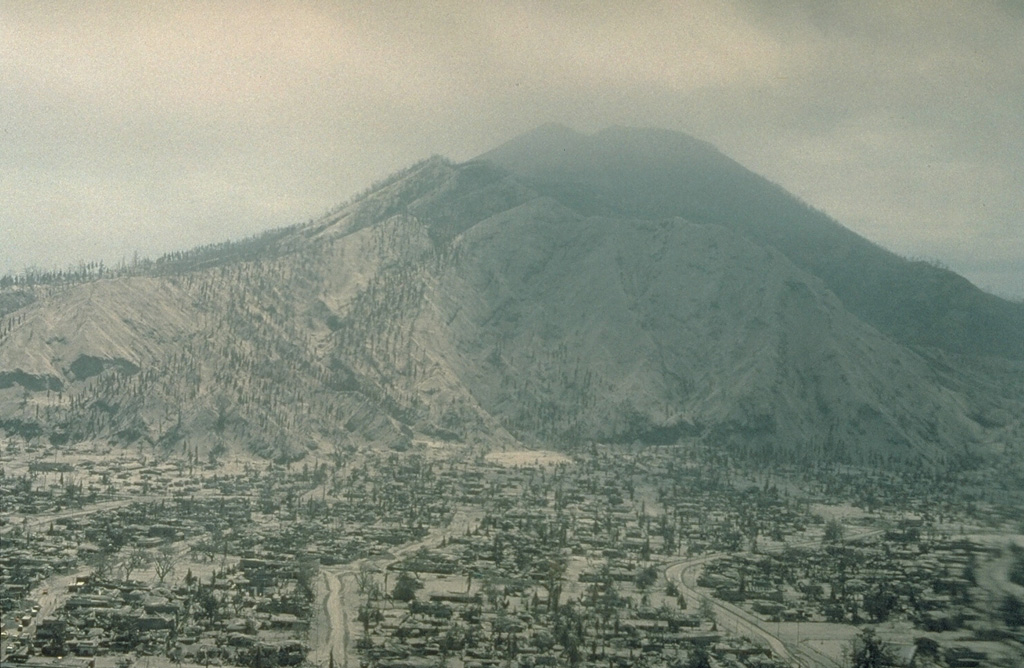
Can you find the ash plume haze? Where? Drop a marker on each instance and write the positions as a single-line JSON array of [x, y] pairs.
[[153, 127]]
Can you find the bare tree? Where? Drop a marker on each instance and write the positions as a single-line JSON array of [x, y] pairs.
[[104, 567], [137, 558], [707, 609], [164, 562], [366, 581]]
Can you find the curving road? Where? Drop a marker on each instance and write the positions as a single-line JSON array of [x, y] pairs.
[[727, 615], [737, 619]]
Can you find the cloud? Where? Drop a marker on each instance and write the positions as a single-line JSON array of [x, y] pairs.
[[155, 124]]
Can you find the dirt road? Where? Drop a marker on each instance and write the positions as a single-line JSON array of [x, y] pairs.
[[334, 630]]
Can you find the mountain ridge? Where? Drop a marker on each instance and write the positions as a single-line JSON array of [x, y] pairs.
[[661, 173], [466, 303]]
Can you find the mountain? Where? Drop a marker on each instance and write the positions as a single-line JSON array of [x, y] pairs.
[[652, 173], [558, 291]]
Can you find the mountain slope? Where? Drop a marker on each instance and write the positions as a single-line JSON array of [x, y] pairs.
[[467, 303], [633, 330], [657, 173]]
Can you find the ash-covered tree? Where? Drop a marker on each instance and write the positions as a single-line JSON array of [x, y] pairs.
[[209, 603], [1016, 572], [137, 558], [103, 568], [833, 532], [305, 574], [554, 571], [1012, 609], [880, 602], [405, 587], [699, 657], [707, 610], [366, 581], [868, 651], [164, 562], [645, 578]]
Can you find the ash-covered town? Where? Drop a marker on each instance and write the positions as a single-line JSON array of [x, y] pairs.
[[445, 556], [595, 395]]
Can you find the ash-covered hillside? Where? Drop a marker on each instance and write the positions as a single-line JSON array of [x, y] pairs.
[[652, 173], [553, 292]]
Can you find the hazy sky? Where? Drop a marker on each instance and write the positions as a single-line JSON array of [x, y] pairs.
[[149, 127]]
